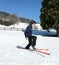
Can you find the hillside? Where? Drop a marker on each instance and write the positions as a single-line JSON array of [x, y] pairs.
[[3, 14], [9, 19]]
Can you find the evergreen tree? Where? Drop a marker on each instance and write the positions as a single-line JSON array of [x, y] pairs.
[[50, 15]]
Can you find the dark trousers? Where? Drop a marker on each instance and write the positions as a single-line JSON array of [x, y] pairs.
[[32, 41]]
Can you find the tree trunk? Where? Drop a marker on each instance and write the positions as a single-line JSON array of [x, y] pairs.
[[57, 33], [48, 30]]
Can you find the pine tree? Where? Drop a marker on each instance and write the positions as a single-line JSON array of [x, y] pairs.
[[50, 15]]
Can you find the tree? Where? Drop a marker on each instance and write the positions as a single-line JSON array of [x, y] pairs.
[[50, 15]]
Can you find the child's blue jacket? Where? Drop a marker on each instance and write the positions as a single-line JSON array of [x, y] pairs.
[[28, 31]]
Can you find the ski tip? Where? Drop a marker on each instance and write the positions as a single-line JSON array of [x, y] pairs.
[[17, 46], [48, 54]]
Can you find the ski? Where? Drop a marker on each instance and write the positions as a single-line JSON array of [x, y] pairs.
[[37, 50], [44, 52], [41, 49]]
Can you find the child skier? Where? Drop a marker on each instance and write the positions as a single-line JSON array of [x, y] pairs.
[[28, 34]]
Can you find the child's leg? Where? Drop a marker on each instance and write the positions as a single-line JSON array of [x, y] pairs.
[[30, 42], [34, 41]]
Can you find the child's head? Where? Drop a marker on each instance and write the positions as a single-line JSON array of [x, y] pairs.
[[32, 23]]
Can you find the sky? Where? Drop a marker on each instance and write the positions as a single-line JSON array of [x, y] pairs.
[[23, 8]]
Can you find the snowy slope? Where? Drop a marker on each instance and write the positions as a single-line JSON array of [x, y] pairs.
[[11, 55]]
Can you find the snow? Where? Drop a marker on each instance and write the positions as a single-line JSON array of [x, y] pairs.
[[11, 55], [21, 25]]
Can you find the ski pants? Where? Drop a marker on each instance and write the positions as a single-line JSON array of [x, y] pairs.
[[32, 41]]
